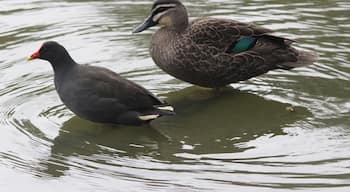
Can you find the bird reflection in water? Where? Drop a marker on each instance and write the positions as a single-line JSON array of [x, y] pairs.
[[211, 122]]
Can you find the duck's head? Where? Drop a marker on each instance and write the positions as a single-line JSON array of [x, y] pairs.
[[169, 13], [52, 52]]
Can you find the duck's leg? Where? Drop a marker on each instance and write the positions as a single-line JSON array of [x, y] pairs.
[[222, 89], [219, 90]]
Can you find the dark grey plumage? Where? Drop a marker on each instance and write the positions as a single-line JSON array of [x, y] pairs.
[[200, 52], [98, 94]]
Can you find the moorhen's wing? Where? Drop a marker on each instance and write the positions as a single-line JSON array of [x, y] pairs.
[[107, 85]]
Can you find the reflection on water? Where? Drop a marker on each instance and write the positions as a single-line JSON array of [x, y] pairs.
[[186, 132], [82, 138], [284, 131]]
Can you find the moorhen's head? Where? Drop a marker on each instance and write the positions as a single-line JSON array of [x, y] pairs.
[[169, 13], [53, 52]]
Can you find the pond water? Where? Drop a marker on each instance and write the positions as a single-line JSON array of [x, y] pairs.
[[283, 131]]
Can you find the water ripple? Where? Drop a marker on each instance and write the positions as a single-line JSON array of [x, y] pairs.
[[283, 131]]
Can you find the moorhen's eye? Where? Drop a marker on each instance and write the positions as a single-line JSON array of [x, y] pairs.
[[43, 50]]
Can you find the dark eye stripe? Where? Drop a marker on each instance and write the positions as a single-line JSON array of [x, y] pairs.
[[162, 8]]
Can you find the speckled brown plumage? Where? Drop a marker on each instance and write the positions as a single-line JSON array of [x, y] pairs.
[[199, 52]]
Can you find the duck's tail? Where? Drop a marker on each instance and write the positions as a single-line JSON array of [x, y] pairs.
[[304, 58]]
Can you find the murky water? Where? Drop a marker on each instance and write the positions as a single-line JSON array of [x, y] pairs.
[[244, 139]]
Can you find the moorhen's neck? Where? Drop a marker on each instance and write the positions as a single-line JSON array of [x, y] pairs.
[[62, 65], [62, 62]]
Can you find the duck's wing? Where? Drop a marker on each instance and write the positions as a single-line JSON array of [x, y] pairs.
[[222, 33]]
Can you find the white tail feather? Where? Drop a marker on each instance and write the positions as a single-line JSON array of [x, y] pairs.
[[148, 117], [166, 108]]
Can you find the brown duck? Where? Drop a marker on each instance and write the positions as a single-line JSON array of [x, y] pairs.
[[212, 52]]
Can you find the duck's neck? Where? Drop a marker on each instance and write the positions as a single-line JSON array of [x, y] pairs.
[[181, 24], [179, 21]]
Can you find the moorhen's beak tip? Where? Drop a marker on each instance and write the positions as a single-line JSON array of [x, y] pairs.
[[29, 58], [33, 56]]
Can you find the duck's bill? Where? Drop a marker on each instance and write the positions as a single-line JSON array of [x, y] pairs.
[[145, 25]]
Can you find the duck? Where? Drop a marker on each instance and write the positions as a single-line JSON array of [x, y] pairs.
[[214, 52], [98, 94]]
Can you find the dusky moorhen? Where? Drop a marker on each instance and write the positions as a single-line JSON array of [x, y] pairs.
[[99, 94]]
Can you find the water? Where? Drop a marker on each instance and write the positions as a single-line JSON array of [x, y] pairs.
[[284, 131]]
